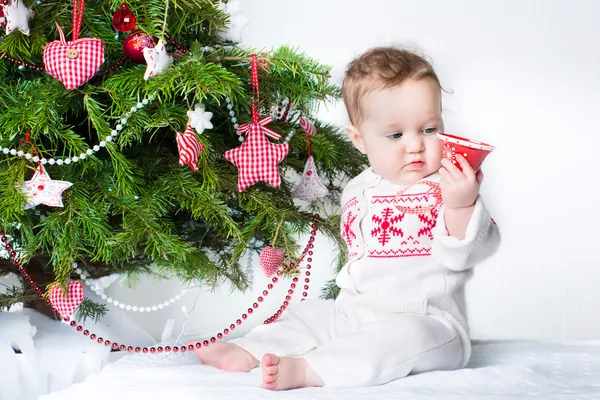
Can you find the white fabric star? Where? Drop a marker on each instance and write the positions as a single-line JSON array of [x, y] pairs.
[[43, 190], [17, 17], [157, 59], [200, 119], [237, 21]]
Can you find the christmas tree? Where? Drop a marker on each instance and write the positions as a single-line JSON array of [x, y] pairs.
[[130, 110]]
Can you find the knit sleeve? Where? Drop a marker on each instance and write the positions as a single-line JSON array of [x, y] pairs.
[[482, 239]]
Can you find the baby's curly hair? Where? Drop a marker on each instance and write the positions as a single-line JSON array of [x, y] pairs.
[[379, 68]]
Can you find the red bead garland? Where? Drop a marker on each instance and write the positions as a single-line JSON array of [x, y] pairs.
[[42, 69], [152, 350]]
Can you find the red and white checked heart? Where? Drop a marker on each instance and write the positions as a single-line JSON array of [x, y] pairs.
[[270, 260], [65, 305], [74, 63]]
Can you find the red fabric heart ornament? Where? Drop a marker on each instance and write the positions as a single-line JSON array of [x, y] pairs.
[[73, 63], [270, 260], [66, 304]]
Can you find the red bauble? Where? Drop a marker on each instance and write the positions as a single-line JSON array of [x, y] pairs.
[[123, 20], [135, 42]]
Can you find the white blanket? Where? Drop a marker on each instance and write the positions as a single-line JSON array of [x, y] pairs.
[[520, 370]]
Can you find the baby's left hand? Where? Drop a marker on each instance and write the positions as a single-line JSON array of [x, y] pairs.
[[459, 188]]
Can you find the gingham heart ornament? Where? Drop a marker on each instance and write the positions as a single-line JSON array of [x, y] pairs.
[[270, 260], [66, 304], [75, 62]]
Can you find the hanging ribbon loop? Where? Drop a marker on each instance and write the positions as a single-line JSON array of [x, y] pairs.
[[245, 128], [78, 7], [255, 91]]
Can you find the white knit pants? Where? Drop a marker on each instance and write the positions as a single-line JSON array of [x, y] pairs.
[[358, 345]]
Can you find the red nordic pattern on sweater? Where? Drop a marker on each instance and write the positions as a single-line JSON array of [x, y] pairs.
[[429, 220], [416, 252], [395, 234], [386, 228], [350, 225]]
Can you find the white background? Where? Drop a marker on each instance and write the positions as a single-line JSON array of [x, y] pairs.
[[525, 77]]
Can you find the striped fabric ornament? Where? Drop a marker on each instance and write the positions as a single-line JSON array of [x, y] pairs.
[[189, 147], [308, 127], [66, 304], [75, 62]]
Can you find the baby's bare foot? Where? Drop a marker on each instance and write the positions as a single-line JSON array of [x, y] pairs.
[[282, 373], [226, 356]]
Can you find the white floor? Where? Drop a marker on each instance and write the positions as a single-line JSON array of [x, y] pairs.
[[518, 370]]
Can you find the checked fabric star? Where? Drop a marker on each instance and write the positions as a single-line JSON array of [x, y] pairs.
[[43, 190], [257, 158]]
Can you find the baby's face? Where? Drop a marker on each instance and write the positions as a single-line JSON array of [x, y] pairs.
[[398, 132]]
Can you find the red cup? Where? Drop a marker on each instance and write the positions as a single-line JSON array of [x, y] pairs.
[[475, 152]]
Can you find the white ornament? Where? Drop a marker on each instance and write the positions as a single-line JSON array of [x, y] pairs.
[[157, 59], [238, 22], [43, 190], [310, 186], [200, 119], [17, 17]]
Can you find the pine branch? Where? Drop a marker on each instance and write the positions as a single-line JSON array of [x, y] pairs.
[[14, 295], [89, 310]]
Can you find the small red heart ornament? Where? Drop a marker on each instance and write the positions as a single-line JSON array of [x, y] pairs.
[[65, 305], [73, 63], [270, 260]]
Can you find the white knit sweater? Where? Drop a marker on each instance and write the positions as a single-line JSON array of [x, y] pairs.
[[400, 256]]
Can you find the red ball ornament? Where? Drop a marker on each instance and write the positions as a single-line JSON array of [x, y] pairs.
[[135, 43], [123, 19]]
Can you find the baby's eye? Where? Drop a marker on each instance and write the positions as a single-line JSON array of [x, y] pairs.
[[429, 131], [396, 135]]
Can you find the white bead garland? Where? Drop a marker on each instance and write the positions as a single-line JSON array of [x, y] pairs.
[[249, 272], [126, 306], [66, 161]]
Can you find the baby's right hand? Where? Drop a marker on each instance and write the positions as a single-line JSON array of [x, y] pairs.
[[459, 188]]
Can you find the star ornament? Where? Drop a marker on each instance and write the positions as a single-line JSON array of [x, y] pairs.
[[189, 147], [157, 59], [43, 190], [257, 158], [17, 17], [200, 119]]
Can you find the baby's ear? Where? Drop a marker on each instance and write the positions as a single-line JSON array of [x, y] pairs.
[[356, 138]]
